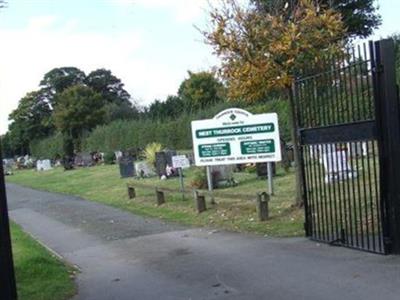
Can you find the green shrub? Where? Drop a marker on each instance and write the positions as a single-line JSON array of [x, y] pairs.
[[174, 133], [109, 158], [199, 179], [48, 148], [150, 153]]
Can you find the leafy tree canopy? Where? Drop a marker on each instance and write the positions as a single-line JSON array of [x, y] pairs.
[[30, 120], [172, 107], [79, 108], [109, 86], [201, 90], [360, 17], [261, 53], [59, 79]]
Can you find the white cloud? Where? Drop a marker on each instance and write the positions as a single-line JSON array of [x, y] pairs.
[[32, 51], [47, 42], [184, 11]]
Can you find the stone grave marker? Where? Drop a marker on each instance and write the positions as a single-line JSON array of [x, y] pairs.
[[126, 167], [161, 163], [43, 165], [336, 164], [222, 176], [83, 159], [262, 170], [143, 169]]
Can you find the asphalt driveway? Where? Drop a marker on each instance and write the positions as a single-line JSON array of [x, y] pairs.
[[124, 256]]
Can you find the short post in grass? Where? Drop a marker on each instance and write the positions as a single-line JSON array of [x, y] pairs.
[[180, 171], [131, 192], [262, 206], [200, 201], [160, 197], [270, 179], [210, 184]]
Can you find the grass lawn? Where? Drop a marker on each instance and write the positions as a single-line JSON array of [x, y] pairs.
[[39, 275], [103, 184]]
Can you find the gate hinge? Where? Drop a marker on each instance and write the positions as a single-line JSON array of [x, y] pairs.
[[387, 244], [377, 69]]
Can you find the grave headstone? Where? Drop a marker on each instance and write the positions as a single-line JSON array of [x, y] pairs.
[[168, 155], [262, 170], [118, 155], [358, 149], [222, 176], [43, 165], [142, 169], [83, 159], [126, 167], [336, 164], [161, 163]]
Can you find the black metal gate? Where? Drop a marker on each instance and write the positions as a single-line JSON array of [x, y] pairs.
[[347, 139]]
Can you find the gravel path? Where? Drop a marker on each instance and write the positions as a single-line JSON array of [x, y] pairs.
[[124, 256]]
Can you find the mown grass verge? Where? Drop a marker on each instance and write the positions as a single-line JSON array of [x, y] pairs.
[[39, 275]]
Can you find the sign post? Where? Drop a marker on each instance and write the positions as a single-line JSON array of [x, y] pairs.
[[210, 184], [8, 289], [235, 136], [180, 162], [270, 180], [180, 171]]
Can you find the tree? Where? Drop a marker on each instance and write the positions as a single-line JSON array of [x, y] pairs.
[[200, 90], [117, 99], [264, 52], [78, 109], [109, 86], [360, 17], [59, 79], [172, 107], [30, 120]]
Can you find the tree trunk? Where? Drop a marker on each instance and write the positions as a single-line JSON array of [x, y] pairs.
[[296, 148], [68, 149]]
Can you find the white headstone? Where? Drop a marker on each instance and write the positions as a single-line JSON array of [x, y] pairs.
[[336, 164], [142, 169], [43, 165]]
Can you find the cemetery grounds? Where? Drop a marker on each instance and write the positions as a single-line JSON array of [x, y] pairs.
[[235, 209]]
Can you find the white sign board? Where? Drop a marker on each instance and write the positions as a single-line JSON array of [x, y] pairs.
[[180, 161], [236, 136]]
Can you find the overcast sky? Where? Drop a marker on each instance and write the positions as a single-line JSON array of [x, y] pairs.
[[149, 44]]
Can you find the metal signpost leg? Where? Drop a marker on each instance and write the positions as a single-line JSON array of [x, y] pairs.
[[270, 179], [182, 185], [8, 289], [210, 184]]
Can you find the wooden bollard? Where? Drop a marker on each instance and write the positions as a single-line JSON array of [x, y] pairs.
[[160, 197], [200, 202], [131, 192], [262, 206]]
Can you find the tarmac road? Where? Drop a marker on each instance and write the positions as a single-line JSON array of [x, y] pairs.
[[124, 256]]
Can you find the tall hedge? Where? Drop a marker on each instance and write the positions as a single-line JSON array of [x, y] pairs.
[[172, 133], [48, 148]]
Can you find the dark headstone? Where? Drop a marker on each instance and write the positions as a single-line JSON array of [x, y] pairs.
[[262, 170], [161, 163], [126, 168], [83, 159], [168, 156]]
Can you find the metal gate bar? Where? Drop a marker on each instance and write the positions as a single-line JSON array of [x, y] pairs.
[[341, 152]]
